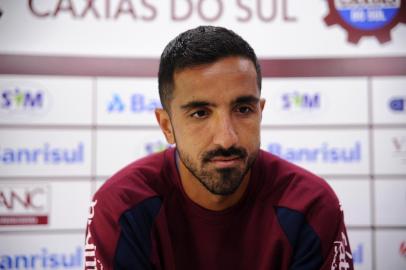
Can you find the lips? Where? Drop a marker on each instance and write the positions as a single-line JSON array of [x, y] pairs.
[[223, 162]]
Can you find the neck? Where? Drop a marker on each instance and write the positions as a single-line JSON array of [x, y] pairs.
[[201, 196]]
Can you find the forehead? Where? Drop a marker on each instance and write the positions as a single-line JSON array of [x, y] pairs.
[[224, 79]]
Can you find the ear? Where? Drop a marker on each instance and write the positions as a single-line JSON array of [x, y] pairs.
[[165, 124], [262, 103]]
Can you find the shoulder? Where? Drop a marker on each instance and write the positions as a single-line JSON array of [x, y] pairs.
[[124, 209], [135, 183], [293, 187], [307, 210]]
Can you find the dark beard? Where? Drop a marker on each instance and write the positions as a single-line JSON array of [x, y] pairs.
[[223, 181]]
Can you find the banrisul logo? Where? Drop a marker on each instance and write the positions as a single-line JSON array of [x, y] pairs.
[[135, 103], [43, 259], [46, 154], [366, 17], [358, 254], [397, 104], [23, 99], [323, 153]]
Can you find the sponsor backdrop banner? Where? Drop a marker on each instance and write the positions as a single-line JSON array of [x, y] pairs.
[[78, 91], [283, 28]]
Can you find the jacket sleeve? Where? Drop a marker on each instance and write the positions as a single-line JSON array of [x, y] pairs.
[[319, 239], [326, 217], [339, 255], [101, 236], [119, 238]]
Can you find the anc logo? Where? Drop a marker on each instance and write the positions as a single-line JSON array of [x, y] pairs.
[[366, 17]]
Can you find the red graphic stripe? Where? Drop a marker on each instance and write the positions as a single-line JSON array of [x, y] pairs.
[[13, 220], [148, 67]]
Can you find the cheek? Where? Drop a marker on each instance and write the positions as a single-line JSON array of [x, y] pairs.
[[189, 141], [250, 135]]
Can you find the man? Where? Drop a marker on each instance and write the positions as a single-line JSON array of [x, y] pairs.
[[215, 201]]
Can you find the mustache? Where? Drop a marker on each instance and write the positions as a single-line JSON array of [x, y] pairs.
[[222, 152]]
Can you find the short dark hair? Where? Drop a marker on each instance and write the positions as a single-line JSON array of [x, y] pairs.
[[197, 46]]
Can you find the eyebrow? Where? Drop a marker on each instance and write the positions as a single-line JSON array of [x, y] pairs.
[[197, 103], [246, 99]]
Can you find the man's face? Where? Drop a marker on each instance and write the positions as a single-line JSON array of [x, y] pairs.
[[214, 119]]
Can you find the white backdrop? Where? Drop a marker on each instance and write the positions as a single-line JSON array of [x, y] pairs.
[[334, 106]]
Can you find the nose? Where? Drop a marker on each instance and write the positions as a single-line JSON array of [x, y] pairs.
[[224, 131]]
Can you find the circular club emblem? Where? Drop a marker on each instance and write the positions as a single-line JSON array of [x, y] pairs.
[[366, 17]]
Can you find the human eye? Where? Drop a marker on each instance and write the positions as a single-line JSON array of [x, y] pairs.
[[200, 114], [244, 109]]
